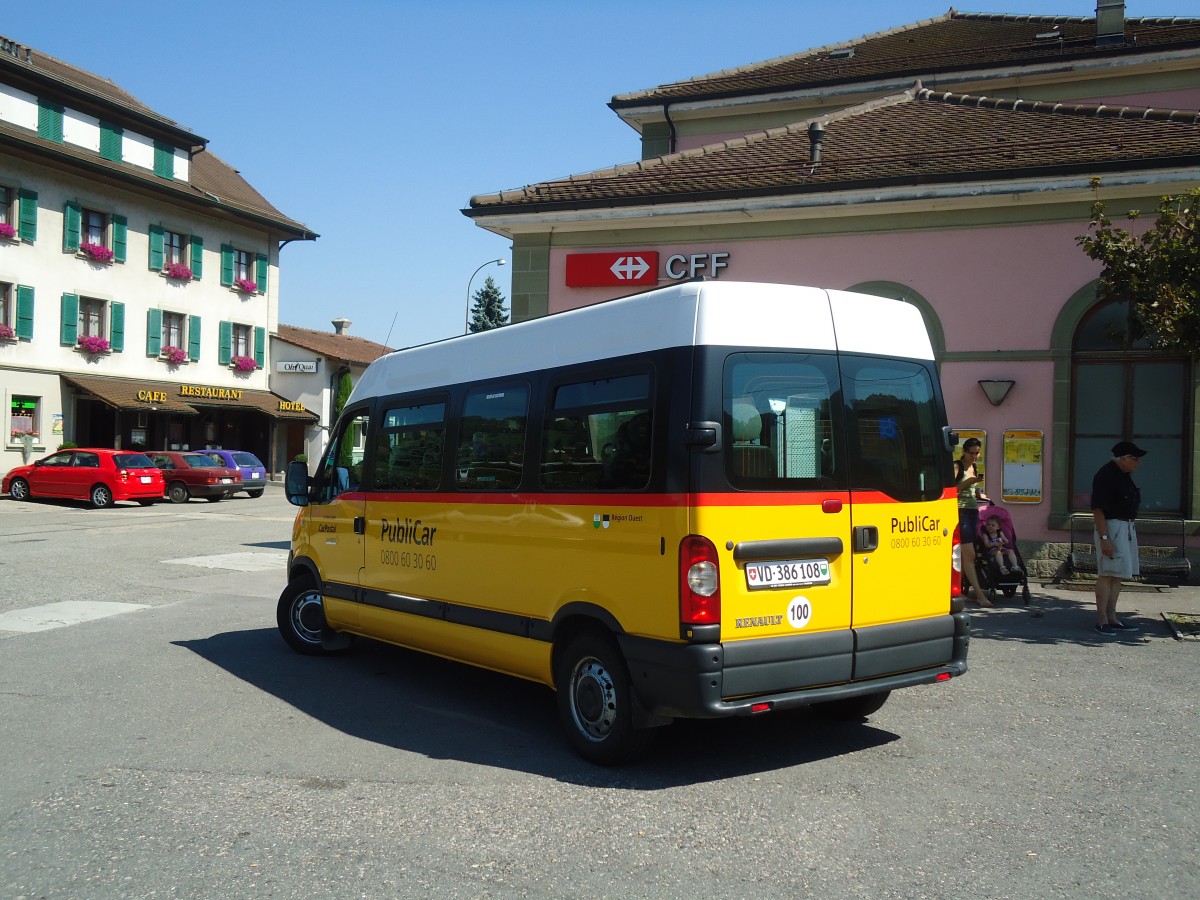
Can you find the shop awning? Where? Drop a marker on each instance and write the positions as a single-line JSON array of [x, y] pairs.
[[185, 399], [124, 393]]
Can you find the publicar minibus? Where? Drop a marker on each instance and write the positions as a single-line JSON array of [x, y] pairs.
[[710, 499]]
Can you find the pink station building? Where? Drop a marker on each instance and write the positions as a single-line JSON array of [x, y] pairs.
[[951, 164]]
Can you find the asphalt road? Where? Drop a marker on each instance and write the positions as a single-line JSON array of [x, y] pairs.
[[171, 746]]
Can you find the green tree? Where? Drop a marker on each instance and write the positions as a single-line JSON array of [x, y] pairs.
[[1158, 271], [344, 387], [487, 311]]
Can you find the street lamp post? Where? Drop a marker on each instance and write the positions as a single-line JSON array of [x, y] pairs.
[[499, 262]]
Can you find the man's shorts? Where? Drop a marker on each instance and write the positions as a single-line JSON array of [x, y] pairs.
[[1124, 564]]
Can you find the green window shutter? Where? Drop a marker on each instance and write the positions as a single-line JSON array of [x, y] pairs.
[[116, 326], [227, 265], [111, 142], [197, 256], [24, 312], [72, 224], [157, 248], [164, 160], [193, 338], [225, 342], [260, 272], [28, 216], [50, 120], [260, 346], [153, 332], [120, 237], [70, 319]]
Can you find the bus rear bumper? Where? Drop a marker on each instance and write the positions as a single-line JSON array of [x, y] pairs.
[[716, 680]]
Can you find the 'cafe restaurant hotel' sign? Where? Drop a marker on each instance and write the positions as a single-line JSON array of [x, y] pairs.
[[212, 393]]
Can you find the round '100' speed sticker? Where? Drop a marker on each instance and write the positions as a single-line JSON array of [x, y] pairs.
[[799, 611]]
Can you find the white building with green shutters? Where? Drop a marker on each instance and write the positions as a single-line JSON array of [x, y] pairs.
[[138, 276]]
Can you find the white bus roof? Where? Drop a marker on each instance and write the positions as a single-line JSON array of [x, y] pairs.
[[722, 313]]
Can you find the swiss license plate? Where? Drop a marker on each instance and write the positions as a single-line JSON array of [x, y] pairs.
[[256, 474], [786, 573], [226, 481], [146, 479]]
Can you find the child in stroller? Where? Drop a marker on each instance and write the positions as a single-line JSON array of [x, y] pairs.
[[997, 560]]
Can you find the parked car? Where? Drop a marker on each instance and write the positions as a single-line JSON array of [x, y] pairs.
[[100, 476], [193, 474], [254, 473]]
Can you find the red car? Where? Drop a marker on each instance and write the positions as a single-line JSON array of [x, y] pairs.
[[98, 475], [194, 474]]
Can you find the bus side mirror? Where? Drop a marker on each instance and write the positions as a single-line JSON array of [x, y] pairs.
[[297, 485], [949, 438]]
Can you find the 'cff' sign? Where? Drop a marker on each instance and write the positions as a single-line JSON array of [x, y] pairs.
[[604, 269]]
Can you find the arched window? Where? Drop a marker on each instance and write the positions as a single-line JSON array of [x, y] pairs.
[[1124, 389]]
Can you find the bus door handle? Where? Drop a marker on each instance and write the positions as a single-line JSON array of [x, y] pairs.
[[360, 524], [866, 538]]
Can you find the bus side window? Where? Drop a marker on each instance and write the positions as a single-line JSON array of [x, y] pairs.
[[408, 452], [491, 450], [344, 459]]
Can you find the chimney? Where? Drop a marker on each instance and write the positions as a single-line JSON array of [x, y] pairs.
[[341, 326], [1110, 22], [816, 136]]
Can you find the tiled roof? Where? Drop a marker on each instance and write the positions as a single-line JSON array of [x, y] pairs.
[[212, 181], [346, 347], [953, 42], [915, 137]]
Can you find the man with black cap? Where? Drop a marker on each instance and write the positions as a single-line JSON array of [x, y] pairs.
[[1115, 501]]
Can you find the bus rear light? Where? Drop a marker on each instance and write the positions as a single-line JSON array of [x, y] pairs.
[[699, 582], [956, 563]]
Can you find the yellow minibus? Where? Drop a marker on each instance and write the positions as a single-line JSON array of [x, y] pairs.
[[710, 499]]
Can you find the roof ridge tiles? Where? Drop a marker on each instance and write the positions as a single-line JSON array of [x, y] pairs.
[[1091, 110]]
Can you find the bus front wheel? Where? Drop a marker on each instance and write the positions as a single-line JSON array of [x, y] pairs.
[[595, 700], [301, 618]]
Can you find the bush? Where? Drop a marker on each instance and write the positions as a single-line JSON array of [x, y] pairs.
[[67, 445]]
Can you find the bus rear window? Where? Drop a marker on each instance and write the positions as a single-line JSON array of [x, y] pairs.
[[779, 422]]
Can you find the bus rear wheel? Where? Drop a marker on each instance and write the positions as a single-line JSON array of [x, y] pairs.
[[595, 700]]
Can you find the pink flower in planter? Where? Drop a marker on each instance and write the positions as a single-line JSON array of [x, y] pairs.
[[98, 252], [179, 270], [246, 285], [94, 344], [243, 363], [174, 355], [6, 230], [7, 333]]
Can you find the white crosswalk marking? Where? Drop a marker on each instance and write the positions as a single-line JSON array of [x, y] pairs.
[[256, 561], [63, 613]]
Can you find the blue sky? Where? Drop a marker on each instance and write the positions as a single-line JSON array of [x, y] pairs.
[[374, 122]]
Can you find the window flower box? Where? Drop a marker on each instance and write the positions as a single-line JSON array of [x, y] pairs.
[[7, 333], [243, 364], [96, 252], [174, 355], [93, 344], [245, 285], [7, 232], [178, 271]]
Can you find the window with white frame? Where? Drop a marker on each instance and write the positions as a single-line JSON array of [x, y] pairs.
[[91, 317], [7, 313], [8, 211], [244, 265], [175, 248], [243, 340], [24, 418], [94, 228], [174, 330]]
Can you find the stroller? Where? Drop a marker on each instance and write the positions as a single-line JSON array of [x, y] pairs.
[[988, 569]]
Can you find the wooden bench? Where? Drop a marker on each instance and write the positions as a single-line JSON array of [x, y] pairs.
[[1157, 562]]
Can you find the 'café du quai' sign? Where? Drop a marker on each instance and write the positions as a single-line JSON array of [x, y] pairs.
[[309, 366]]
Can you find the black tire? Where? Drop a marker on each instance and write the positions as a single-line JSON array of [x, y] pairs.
[[216, 499], [853, 707], [255, 494], [301, 618], [19, 489], [595, 700], [101, 496], [177, 492], [146, 502]]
